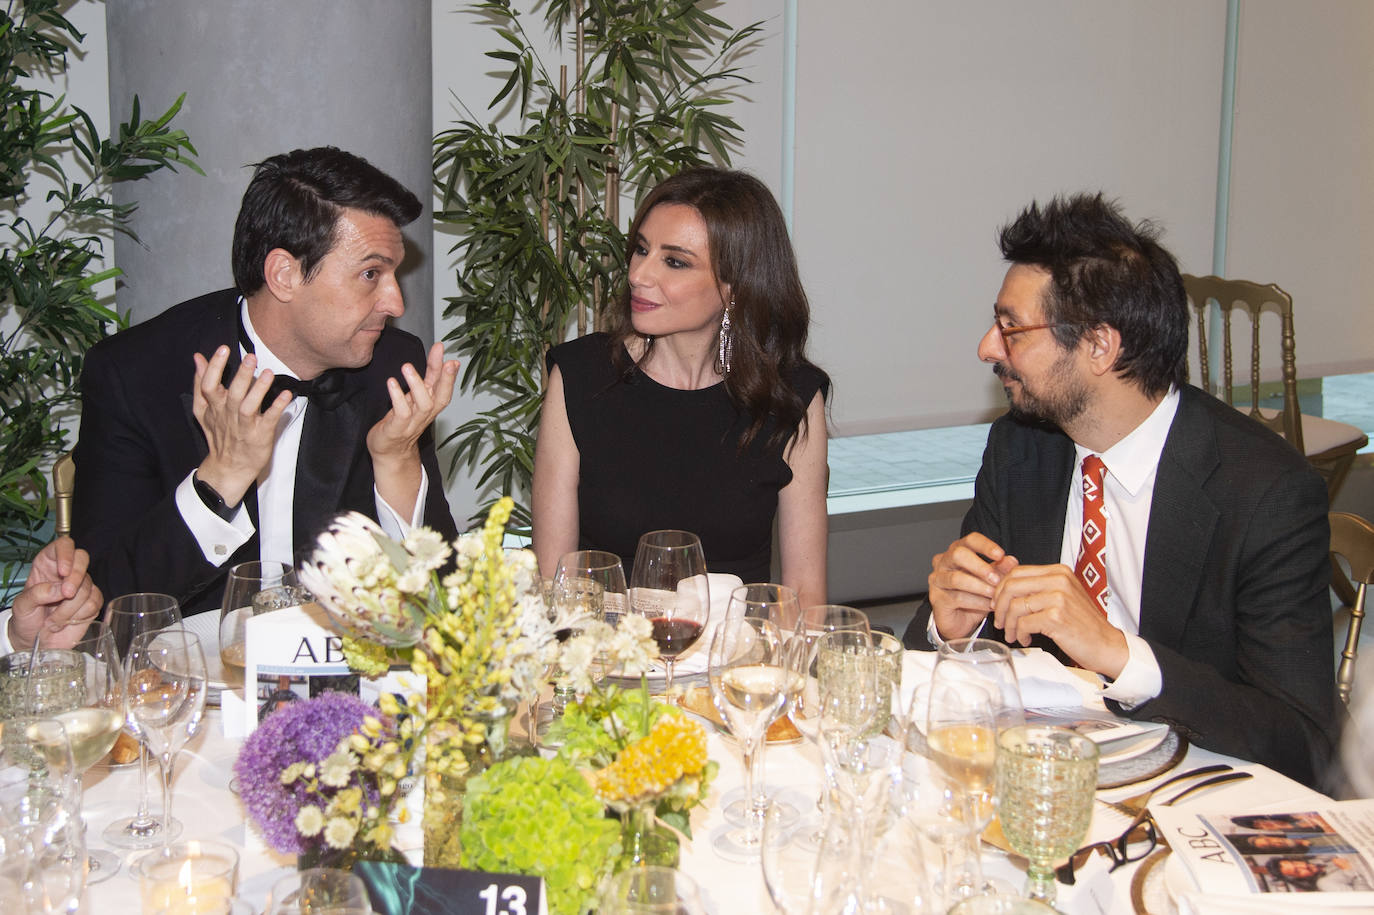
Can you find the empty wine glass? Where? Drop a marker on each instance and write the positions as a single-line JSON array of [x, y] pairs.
[[988, 663], [236, 607], [126, 617], [605, 569], [1046, 782], [669, 586], [752, 676], [805, 877], [166, 697], [943, 815]]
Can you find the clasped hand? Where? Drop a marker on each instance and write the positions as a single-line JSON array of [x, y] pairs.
[[975, 577], [59, 599]]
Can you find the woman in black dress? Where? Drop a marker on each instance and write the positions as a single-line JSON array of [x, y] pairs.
[[698, 410]]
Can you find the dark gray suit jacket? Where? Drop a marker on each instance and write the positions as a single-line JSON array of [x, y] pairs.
[[139, 439], [1234, 600]]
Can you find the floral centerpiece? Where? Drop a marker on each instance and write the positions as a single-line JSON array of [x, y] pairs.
[[327, 775]]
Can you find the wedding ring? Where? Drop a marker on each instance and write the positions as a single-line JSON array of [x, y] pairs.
[[1025, 605]]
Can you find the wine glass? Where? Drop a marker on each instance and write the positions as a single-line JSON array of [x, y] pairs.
[[669, 586], [942, 814], [572, 602], [752, 676], [961, 738], [802, 876], [779, 605], [92, 715], [652, 890], [236, 607], [40, 809], [166, 697], [1046, 782], [605, 569], [815, 622], [318, 891], [988, 663], [126, 617]]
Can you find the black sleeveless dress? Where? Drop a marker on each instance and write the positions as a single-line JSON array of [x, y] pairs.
[[654, 457]]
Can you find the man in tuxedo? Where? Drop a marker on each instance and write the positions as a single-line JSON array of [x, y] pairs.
[[236, 425], [1129, 522]]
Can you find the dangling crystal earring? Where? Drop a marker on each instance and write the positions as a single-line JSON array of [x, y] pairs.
[[727, 345]]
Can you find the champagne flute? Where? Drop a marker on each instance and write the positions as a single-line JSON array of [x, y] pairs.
[[752, 675], [166, 697], [236, 607], [1046, 782], [126, 617], [669, 586]]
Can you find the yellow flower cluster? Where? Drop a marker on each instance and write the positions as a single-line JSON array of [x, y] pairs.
[[675, 747]]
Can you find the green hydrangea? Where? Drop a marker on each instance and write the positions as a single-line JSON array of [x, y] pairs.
[[537, 816]]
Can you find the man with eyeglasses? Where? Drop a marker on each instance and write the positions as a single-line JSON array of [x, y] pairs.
[[1131, 523]]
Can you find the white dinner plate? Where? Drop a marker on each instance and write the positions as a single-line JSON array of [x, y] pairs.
[[205, 626]]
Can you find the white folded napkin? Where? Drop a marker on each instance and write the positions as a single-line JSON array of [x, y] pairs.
[[696, 659]]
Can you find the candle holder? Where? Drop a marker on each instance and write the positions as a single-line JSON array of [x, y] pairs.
[[198, 877]]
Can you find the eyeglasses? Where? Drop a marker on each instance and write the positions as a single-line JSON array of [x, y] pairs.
[[1135, 843], [1006, 331]]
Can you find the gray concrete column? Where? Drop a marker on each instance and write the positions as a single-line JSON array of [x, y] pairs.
[[263, 77]]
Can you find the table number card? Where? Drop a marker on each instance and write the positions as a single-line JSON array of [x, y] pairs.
[[399, 889]]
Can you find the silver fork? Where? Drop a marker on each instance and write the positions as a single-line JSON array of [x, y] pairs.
[[1137, 802]]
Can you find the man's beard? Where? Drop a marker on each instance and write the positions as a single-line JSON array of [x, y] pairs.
[[1061, 405]]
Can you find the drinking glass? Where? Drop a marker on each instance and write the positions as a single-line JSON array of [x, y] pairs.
[[988, 663], [126, 617], [166, 697], [1046, 781], [572, 601], [960, 731], [40, 809], [91, 712], [777, 604], [318, 891], [815, 622], [943, 816], [605, 569], [236, 607], [752, 677], [669, 586], [652, 890], [802, 876]]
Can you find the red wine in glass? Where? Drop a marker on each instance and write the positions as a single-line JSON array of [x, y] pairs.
[[674, 636]]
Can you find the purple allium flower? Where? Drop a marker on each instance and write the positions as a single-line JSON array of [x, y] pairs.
[[305, 731]]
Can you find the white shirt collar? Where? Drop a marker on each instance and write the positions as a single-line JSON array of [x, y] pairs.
[[266, 358], [1132, 461]]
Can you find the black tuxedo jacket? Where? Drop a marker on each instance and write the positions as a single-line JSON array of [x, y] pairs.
[[1234, 596], [139, 439]]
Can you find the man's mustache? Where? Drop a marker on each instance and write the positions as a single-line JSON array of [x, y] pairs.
[[1005, 372]]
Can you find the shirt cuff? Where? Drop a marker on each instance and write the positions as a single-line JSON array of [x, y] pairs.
[[390, 520], [217, 538], [933, 632], [6, 646], [1140, 680]]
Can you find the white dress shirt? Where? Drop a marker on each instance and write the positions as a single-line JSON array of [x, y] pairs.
[[1128, 492], [218, 539]]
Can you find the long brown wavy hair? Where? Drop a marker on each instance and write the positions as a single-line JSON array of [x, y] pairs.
[[750, 252]]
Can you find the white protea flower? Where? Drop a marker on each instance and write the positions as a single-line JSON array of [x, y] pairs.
[[352, 574]]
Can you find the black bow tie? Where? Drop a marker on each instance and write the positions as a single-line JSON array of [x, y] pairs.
[[324, 391]]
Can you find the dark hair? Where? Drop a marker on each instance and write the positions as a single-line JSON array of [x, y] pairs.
[[294, 202], [1253, 821], [1246, 844], [1104, 270], [1275, 868], [769, 316]]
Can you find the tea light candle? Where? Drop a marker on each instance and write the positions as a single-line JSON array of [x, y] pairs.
[[192, 878]]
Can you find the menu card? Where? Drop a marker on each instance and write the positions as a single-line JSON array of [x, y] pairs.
[[1325, 848]]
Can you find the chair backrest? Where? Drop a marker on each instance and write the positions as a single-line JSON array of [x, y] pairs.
[[1352, 537], [63, 486], [1250, 298]]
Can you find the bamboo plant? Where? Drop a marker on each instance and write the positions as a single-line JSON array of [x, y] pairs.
[[534, 200], [51, 245]]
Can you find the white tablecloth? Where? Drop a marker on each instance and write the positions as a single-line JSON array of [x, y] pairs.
[[204, 804]]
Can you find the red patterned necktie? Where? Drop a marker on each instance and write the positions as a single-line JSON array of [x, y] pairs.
[[1091, 567]]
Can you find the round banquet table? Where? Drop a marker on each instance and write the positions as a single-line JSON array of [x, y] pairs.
[[204, 804]]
